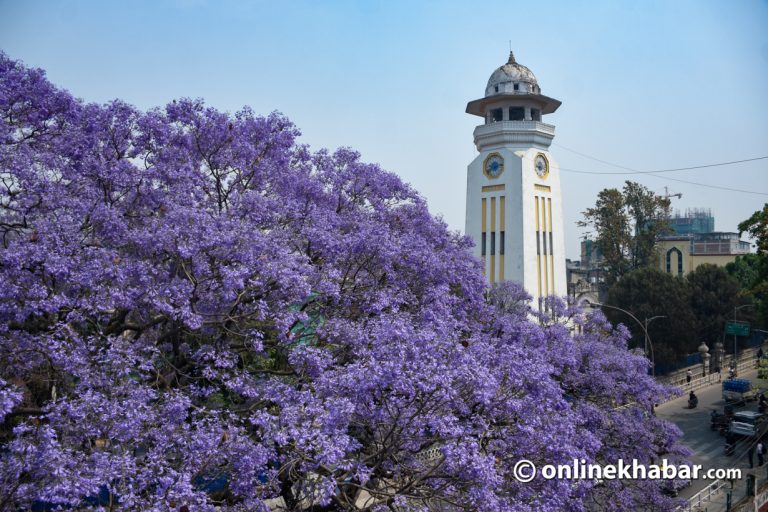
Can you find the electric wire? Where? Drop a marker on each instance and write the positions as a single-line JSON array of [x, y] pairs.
[[654, 173]]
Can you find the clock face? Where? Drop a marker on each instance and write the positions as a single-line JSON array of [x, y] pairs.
[[493, 165], [541, 165]]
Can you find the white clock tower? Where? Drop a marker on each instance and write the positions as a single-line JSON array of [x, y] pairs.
[[514, 208]]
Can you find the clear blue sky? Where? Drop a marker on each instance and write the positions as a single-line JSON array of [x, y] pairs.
[[645, 84]]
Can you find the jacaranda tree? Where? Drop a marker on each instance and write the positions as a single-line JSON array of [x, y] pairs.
[[196, 311]]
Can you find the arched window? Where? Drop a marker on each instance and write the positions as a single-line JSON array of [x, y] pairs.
[[679, 261]]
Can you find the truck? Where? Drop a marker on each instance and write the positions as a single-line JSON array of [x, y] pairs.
[[739, 390], [747, 423]]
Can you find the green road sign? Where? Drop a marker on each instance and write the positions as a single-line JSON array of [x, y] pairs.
[[737, 328]]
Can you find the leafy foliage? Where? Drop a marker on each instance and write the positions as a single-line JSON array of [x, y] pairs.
[[752, 270], [627, 223], [714, 295], [648, 292], [198, 312]]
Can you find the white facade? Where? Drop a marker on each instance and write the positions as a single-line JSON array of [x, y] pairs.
[[514, 207]]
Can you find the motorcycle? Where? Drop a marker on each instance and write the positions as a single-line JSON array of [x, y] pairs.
[[719, 422]]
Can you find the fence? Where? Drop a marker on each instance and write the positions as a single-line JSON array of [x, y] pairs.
[[746, 361], [714, 491], [703, 381]]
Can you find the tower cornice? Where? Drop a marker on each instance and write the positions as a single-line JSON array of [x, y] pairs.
[[480, 106], [518, 134]]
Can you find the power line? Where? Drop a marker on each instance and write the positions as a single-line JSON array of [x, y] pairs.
[[712, 186], [592, 158], [635, 171], [654, 173]]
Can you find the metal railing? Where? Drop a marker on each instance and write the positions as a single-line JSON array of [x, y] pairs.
[[706, 495], [746, 363], [746, 356]]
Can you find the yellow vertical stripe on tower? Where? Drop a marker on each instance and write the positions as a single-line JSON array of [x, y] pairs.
[[493, 239], [551, 249], [482, 217], [502, 214], [483, 227], [544, 242], [538, 245]]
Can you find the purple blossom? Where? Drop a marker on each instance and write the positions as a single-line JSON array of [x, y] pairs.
[[197, 311]]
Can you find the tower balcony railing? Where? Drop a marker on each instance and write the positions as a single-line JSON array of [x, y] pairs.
[[516, 126]]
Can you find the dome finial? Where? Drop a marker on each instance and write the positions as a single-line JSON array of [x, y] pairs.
[[511, 58]]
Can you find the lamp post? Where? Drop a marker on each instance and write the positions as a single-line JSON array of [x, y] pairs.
[[642, 326], [734, 333], [647, 338]]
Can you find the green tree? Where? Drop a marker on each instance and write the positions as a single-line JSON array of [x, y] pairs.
[[714, 295], [745, 270], [648, 292], [627, 223], [752, 270], [757, 227]]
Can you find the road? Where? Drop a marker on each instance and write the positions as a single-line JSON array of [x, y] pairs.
[[708, 446]]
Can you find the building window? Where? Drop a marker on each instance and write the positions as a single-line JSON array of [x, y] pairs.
[[517, 87], [516, 113], [496, 115], [501, 243], [677, 251], [536, 114], [493, 244], [496, 88], [482, 245]]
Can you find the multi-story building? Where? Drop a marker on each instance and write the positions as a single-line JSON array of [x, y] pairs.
[[695, 220], [681, 254]]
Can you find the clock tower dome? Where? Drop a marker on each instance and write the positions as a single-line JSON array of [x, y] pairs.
[[514, 209]]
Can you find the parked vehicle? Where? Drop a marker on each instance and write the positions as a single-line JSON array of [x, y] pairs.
[[747, 423]]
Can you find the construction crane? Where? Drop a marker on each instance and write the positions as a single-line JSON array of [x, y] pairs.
[[667, 195]]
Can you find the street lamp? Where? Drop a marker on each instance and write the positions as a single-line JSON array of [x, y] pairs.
[[734, 332], [647, 338], [642, 326]]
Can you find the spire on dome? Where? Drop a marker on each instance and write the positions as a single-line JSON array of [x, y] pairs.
[[511, 58]]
